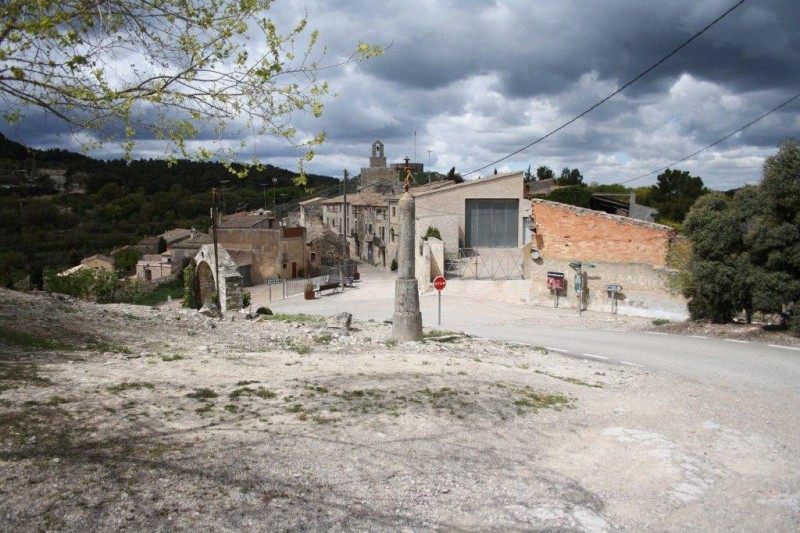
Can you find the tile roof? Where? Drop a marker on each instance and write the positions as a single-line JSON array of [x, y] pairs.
[[245, 220]]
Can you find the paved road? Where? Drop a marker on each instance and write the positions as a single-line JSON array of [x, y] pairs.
[[597, 336]]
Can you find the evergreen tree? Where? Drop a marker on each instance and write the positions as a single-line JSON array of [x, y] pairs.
[[773, 238]]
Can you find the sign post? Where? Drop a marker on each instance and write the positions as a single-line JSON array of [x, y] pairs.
[[556, 283], [613, 289], [578, 267], [439, 283]]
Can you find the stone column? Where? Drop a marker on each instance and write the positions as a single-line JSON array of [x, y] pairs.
[[407, 321]]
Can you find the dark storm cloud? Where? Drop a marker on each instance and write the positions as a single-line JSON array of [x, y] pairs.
[[479, 79]]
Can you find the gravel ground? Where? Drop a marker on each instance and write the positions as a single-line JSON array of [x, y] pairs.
[[124, 417]]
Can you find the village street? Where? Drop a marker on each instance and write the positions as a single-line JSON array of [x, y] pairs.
[[494, 310]]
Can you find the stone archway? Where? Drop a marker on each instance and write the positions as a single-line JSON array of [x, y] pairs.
[[230, 286], [206, 286]]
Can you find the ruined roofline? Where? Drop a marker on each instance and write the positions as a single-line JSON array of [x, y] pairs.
[[584, 211]]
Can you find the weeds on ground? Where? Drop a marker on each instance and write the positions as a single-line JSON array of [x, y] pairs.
[[203, 393], [660, 322], [169, 358], [325, 338], [11, 374], [261, 392], [30, 340], [529, 398], [130, 385], [301, 318], [302, 349], [574, 381], [101, 346]]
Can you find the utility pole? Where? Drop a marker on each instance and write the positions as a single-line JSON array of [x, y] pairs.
[[344, 231], [264, 188], [429, 165], [222, 190], [214, 217]]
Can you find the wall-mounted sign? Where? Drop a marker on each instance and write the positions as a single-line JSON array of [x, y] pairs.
[[555, 281]]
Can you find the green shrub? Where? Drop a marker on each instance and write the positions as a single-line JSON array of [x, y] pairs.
[[246, 297], [432, 232], [264, 311], [394, 265]]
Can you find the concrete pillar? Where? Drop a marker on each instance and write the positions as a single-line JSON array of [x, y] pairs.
[[407, 320]]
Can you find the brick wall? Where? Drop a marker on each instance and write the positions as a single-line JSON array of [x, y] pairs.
[[566, 232], [631, 253]]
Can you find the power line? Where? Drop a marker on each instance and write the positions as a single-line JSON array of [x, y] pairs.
[[787, 102], [610, 96]]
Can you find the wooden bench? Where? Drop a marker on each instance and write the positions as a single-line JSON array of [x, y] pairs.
[[334, 282]]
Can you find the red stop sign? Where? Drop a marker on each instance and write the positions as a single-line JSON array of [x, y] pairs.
[[439, 282]]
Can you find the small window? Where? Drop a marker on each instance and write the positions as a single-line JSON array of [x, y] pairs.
[[394, 212], [313, 256]]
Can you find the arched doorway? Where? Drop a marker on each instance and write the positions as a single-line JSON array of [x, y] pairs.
[[206, 287]]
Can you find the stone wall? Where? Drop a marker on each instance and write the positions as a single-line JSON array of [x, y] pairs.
[[230, 286], [265, 245], [644, 291], [627, 252]]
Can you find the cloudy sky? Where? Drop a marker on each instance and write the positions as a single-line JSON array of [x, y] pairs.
[[479, 79]]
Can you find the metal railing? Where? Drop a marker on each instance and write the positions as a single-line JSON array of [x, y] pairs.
[[485, 263], [280, 289]]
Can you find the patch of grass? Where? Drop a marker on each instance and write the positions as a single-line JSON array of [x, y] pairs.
[[261, 392], [128, 316], [27, 373], [443, 335], [302, 349], [56, 400], [319, 419], [101, 346], [660, 322], [203, 393], [231, 408], [169, 358], [29, 340], [529, 398], [206, 408], [440, 333], [541, 349], [301, 318], [131, 385], [245, 382], [574, 381], [160, 293], [296, 408], [325, 338], [390, 343]]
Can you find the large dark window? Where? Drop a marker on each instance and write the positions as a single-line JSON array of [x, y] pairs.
[[492, 223]]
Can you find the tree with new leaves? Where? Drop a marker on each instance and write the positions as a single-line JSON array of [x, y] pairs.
[[171, 69]]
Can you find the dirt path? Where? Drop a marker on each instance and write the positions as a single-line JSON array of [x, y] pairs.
[[124, 417]]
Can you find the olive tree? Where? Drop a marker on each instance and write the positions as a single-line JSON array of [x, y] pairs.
[[116, 69]]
